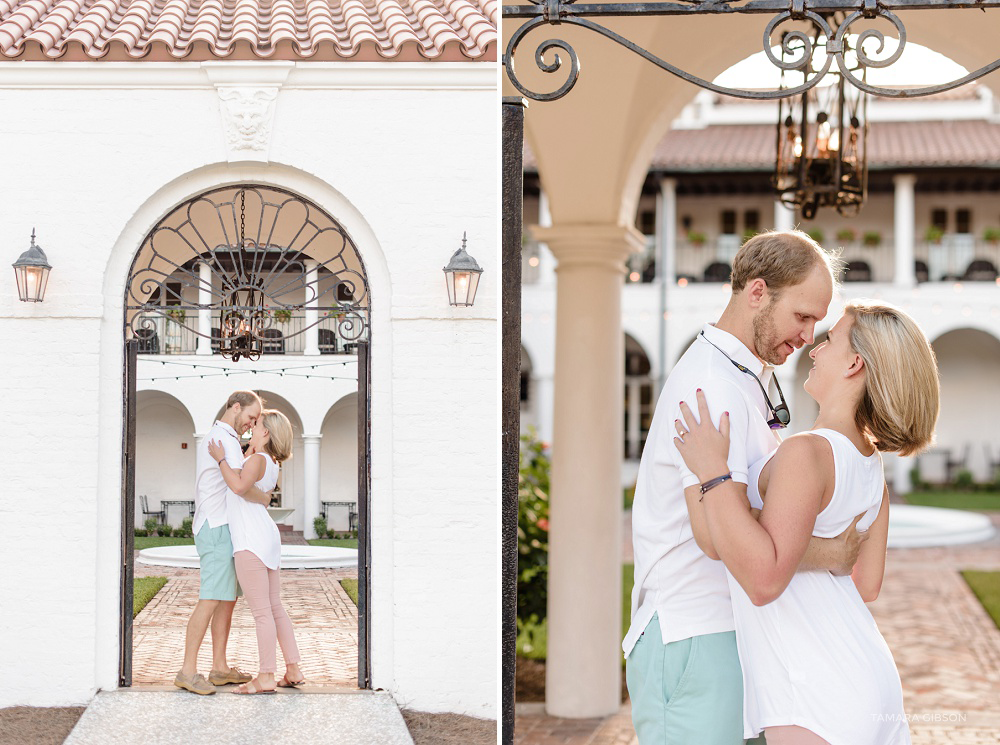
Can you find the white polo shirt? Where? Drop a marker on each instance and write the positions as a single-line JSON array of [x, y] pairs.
[[209, 486], [674, 579]]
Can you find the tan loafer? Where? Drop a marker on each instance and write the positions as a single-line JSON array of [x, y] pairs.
[[232, 675], [195, 683]]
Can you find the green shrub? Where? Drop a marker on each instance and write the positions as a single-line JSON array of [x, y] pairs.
[[991, 235], [846, 235], [872, 238], [141, 532], [532, 529], [165, 531], [151, 525], [186, 530], [319, 525], [816, 234], [916, 483], [963, 480]]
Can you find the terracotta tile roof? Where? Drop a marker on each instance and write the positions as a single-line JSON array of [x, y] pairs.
[[325, 30], [891, 145]]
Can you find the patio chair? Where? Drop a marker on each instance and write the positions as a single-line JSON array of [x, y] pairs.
[[717, 271], [327, 341], [149, 341], [959, 463], [274, 341], [161, 516]]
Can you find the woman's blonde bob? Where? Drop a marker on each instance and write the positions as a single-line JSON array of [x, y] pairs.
[[899, 408], [279, 444]]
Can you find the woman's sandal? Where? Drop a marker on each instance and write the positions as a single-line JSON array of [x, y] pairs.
[[258, 689], [286, 683]]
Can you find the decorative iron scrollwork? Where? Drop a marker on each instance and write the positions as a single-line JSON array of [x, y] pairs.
[[552, 12], [270, 253]]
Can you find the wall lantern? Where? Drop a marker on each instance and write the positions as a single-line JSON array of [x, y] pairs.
[[32, 273], [462, 277]]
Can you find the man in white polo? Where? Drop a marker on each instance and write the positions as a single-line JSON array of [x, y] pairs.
[[217, 576], [682, 667]]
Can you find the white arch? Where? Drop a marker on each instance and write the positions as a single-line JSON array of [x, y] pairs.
[[145, 217]]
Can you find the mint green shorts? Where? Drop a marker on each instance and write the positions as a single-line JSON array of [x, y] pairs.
[[688, 691], [218, 572]]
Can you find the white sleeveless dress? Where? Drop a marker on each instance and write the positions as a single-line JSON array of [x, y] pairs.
[[814, 657], [250, 525]]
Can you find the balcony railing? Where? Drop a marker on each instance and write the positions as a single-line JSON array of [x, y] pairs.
[[955, 258], [168, 336]]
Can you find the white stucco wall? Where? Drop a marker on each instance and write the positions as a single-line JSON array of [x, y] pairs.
[[968, 362], [404, 156]]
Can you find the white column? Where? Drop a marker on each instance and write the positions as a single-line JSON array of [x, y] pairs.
[[204, 312], [583, 671], [546, 262], [312, 315], [901, 468], [904, 228], [544, 395], [784, 216], [666, 231], [666, 262], [310, 465], [634, 416]]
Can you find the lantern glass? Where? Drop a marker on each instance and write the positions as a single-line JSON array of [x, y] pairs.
[[31, 282], [462, 286]]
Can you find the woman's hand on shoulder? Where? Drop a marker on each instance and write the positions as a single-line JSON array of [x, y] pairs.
[[216, 450], [704, 448]]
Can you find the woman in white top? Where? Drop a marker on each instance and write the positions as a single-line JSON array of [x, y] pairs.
[[257, 548], [815, 667]]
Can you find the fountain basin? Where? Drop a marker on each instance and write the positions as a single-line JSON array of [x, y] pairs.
[[912, 526], [292, 557]]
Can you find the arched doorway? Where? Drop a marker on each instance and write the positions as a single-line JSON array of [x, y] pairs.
[[967, 430], [638, 398], [251, 278]]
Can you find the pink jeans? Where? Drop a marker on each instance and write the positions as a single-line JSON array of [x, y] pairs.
[[262, 589], [790, 735]]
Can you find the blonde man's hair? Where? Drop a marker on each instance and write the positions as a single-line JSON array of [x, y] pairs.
[[244, 399], [900, 405], [781, 259], [279, 444]]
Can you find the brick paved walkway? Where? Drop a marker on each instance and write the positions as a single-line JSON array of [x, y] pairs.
[[946, 647], [324, 617]]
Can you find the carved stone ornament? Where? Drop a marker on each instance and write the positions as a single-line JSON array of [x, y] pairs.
[[247, 117]]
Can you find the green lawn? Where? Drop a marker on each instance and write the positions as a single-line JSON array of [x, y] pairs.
[[629, 496], [142, 542], [335, 542], [144, 590], [351, 588], [959, 500], [986, 586], [532, 639]]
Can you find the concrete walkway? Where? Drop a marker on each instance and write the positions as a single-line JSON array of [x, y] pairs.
[[287, 718], [946, 646]]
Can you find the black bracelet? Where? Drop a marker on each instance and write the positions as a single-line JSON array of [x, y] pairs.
[[712, 483], [219, 462]]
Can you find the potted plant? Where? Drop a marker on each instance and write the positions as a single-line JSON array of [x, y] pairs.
[[696, 238], [282, 315], [871, 239], [846, 235], [816, 234], [933, 234], [992, 235], [177, 314], [749, 233]]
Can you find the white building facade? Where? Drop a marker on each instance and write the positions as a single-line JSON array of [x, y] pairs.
[[402, 155], [926, 240]]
